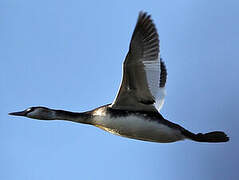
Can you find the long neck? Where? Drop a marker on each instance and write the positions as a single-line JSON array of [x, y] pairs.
[[72, 116]]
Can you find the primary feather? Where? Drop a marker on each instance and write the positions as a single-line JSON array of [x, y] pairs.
[[144, 73]]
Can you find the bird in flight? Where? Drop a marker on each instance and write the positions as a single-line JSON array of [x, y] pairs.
[[135, 111]]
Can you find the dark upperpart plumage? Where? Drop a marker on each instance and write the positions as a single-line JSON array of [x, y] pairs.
[[135, 110], [215, 136], [147, 40]]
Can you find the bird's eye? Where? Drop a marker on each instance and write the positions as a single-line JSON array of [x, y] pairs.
[[29, 109]]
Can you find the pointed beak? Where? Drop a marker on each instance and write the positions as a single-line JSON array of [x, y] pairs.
[[20, 113]]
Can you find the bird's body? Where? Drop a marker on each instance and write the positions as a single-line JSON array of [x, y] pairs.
[[142, 125], [135, 111]]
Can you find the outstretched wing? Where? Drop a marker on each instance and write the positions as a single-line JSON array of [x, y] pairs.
[[144, 73]]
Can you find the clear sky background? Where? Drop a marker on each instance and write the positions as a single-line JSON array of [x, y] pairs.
[[68, 55]]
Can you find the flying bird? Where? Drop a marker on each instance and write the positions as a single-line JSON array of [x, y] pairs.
[[134, 112]]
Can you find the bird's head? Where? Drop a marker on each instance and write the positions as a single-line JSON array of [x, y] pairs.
[[42, 113]]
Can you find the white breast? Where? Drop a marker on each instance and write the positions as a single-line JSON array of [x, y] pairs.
[[137, 127]]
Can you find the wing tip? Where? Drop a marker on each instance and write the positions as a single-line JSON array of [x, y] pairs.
[[145, 20], [149, 38]]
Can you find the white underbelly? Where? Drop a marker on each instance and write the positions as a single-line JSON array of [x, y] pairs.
[[138, 128]]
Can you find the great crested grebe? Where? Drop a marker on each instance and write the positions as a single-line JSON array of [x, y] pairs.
[[135, 110]]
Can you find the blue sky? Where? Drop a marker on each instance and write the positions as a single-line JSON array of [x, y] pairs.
[[68, 55]]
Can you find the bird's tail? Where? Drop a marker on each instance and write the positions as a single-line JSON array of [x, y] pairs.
[[211, 137]]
